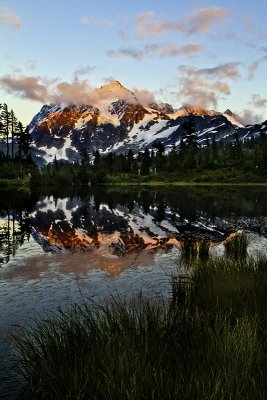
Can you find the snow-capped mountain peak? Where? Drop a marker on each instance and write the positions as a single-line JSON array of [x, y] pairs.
[[118, 122], [114, 90]]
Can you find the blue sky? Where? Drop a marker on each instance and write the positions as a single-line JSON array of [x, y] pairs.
[[198, 52]]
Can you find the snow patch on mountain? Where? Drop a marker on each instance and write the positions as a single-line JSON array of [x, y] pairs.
[[118, 122]]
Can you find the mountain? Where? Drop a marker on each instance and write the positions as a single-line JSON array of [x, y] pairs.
[[119, 121]]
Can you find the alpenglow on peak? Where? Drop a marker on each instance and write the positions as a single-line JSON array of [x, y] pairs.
[[117, 90]]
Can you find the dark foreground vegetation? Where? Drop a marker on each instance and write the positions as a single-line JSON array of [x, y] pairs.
[[207, 342]]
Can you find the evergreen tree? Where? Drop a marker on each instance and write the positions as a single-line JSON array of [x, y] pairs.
[[145, 163], [13, 127], [2, 130], [190, 140], [97, 159], [85, 158], [159, 158], [5, 119], [110, 163], [261, 153], [25, 141], [130, 164], [236, 149], [182, 151], [173, 158], [20, 133]]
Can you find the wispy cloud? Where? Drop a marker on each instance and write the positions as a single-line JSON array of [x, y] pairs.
[[108, 23], [249, 117], [171, 50], [253, 67], [204, 20], [258, 101], [85, 20], [203, 87], [227, 70], [126, 52], [78, 91], [199, 21], [123, 34], [84, 70], [154, 50], [9, 19], [27, 87], [31, 64]]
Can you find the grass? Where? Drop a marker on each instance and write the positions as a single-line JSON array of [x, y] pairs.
[[208, 342], [236, 246], [192, 249]]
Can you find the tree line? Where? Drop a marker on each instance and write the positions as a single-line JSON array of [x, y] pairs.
[[216, 161], [15, 141], [17, 137]]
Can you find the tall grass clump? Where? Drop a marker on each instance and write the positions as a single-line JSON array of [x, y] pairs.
[[208, 342], [192, 249], [203, 249], [236, 246]]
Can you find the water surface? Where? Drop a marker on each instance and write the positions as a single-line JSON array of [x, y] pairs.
[[58, 247]]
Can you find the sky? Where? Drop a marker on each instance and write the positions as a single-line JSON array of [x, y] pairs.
[[198, 53]]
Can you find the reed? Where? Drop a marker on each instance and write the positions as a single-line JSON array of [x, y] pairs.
[[236, 246], [192, 249]]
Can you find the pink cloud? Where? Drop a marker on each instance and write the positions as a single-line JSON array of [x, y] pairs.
[[202, 20], [79, 91], [155, 50], [28, 87], [9, 19], [204, 87], [85, 20]]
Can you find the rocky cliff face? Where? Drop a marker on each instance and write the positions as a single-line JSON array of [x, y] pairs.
[[120, 122]]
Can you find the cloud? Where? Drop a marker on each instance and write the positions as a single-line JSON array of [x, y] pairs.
[[249, 117], [203, 87], [147, 25], [28, 87], [126, 52], [123, 34], [155, 50], [144, 96], [9, 19], [31, 64], [44, 90], [258, 101], [85, 20], [253, 67], [78, 91], [227, 70], [205, 19], [108, 23], [171, 50], [202, 20], [84, 70]]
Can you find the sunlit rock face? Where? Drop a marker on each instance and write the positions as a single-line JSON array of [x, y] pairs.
[[119, 122]]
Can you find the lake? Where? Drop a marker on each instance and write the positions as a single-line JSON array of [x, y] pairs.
[[61, 246]]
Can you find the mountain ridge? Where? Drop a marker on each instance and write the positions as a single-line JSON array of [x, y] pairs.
[[119, 122]]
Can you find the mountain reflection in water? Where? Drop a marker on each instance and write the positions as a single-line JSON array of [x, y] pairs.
[[110, 224]]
